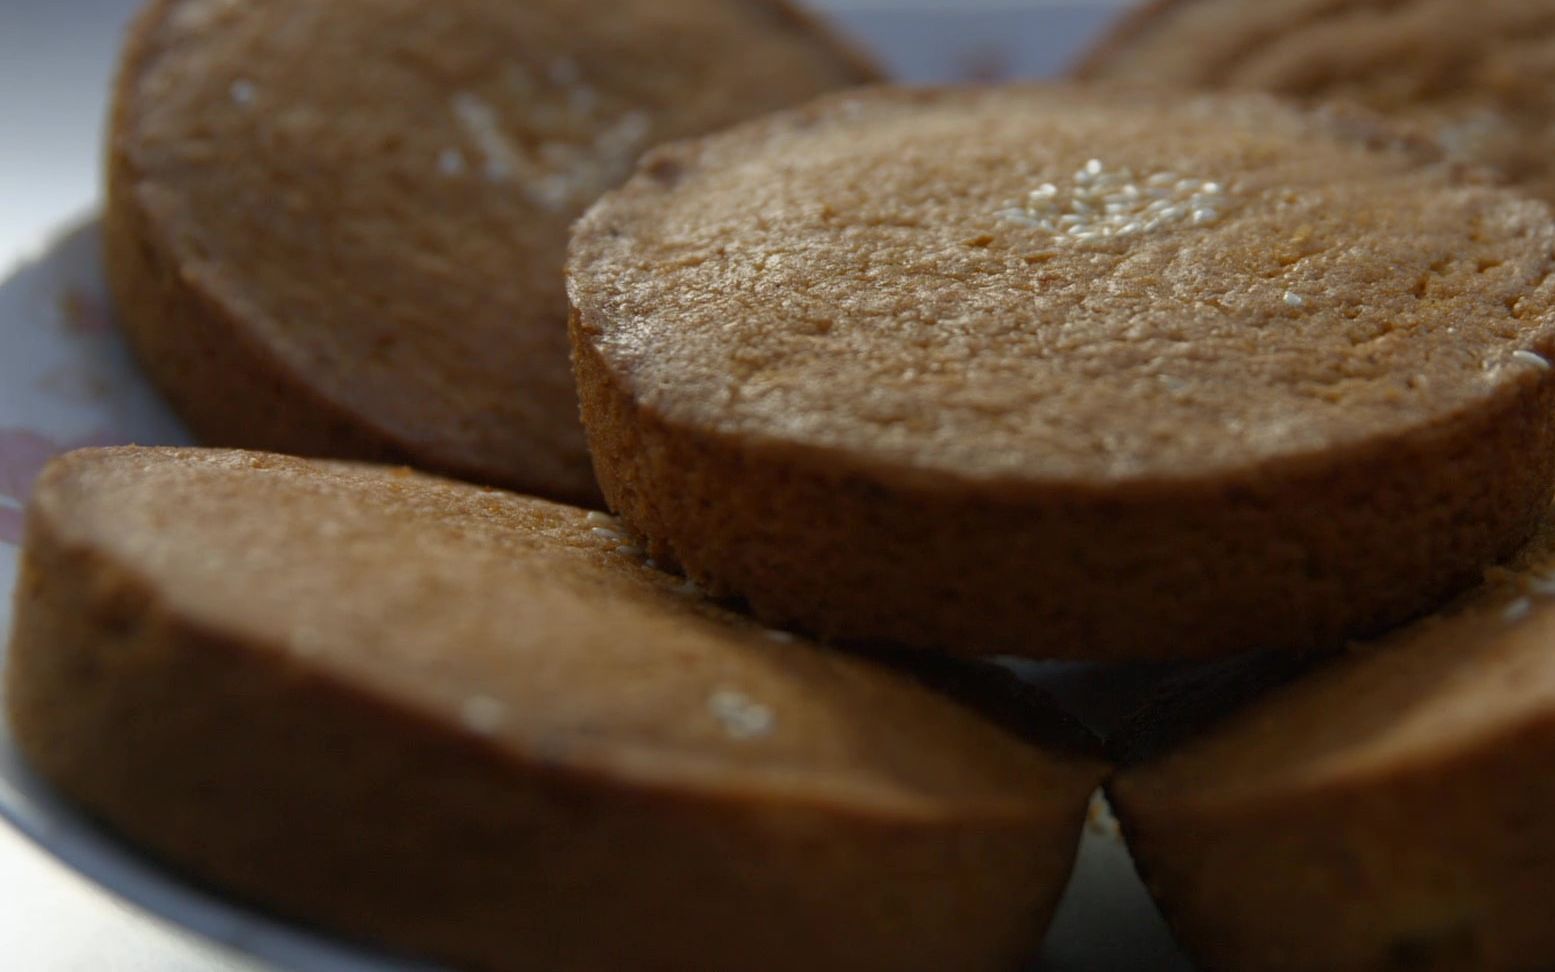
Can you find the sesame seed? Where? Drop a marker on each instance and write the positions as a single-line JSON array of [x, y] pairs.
[[450, 162], [781, 637], [742, 717], [1293, 299], [1467, 138], [602, 519], [606, 533], [625, 133], [1542, 585], [1517, 610], [630, 550], [481, 123], [307, 641], [1532, 358], [564, 71], [552, 191], [482, 714], [243, 92], [581, 100]]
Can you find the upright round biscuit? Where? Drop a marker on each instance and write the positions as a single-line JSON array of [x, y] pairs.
[[1481, 75], [479, 727], [1066, 371], [1393, 811], [338, 228]]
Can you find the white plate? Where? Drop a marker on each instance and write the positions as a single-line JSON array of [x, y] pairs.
[[66, 380]]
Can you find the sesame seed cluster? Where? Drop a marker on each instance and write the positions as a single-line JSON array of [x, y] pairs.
[[1099, 203], [580, 148]]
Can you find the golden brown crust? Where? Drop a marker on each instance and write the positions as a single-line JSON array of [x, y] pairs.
[[318, 759], [1398, 800], [1481, 84], [863, 532], [229, 389], [930, 557], [367, 265]]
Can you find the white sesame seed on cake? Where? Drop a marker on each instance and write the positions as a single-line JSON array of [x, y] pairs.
[[482, 714], [742, 717], [1532, 358], [1099, 203], [243, 92]]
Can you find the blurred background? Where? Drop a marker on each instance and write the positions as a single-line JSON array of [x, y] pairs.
[[56, 60]]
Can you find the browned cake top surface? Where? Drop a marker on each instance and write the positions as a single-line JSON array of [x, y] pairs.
[[1470, 679], [1062, 283], [533, 626], [380, 190], [1480, 73]]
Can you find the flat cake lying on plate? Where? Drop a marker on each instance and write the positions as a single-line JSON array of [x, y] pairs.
[[478, 727]]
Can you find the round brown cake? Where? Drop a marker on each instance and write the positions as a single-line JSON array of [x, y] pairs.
[[339, 228], [478, 727], [1392, 811], [1481, 75], [1065, 371]]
